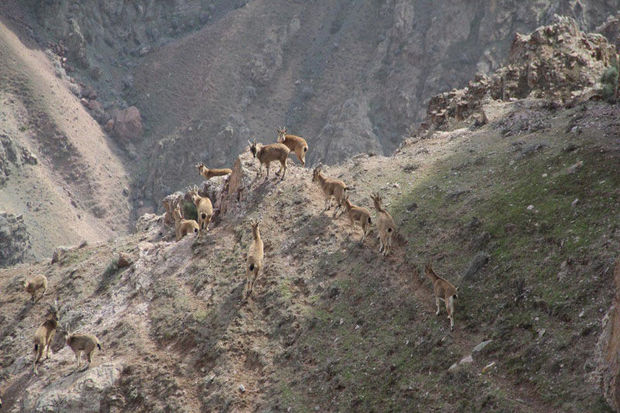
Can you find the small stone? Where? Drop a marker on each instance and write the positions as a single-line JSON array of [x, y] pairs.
[[488, 366], [124, 260], [467, 360], [242, 388], [482, 345], [574, 203], [530, 207]]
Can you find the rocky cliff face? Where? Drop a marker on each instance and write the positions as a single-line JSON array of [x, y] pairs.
[[349, 76]]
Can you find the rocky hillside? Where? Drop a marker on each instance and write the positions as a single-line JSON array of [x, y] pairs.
[[519, 208], [62, 179], [206, 75]]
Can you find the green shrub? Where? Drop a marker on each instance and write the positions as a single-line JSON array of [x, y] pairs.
[[189, 211], [609, 79]]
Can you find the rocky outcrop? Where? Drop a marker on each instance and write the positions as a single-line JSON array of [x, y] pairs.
[[13, 155], [127, 124], [556, 62], [14, 239]]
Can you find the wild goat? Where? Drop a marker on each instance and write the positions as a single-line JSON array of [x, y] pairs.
[[81, 344], [208, 173], [385, 225], [34, 285], [204, 209], [443, 290], [295, 144], [270, 153], [331, 188], [44, 334], [254, 261], [358, 215], [183, 226]]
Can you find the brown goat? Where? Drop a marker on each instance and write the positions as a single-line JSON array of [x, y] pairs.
[[443, 290], [44, 334], [331, 188], [255, 257], [204, 209], [208, 173], [34, 285], [270, 153], [296, 144], [385, 226], [183, 226], [358, 215], [81, 344]]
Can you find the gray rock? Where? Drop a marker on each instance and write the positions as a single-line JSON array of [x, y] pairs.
[[479, 261]]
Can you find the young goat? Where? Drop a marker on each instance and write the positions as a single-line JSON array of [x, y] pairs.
[[270, 153], [385, 225], [296, 144], [210, 173], [254, 261], [44, 334], [81, 344], [183, 226], [331, 188], [204, 209], [358, 215], [443, 290], [34, 285]]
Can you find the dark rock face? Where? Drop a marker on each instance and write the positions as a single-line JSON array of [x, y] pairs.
[[14, 240]]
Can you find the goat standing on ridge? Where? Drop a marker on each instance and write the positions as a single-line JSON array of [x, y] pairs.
[[331, 188], [358, 215], [269, 153], [444, 291], [44, 334], [34, 285], [208, 173], [204, 209], [296, 144], [82, 345], [385, 225]]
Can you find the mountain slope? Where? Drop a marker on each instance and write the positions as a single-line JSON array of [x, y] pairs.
[[519, 210], [332, 324], [58, 167]]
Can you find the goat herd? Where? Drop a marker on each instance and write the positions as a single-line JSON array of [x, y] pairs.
[[332, 188]]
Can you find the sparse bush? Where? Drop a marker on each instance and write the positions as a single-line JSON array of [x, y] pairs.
[[609, 79], [189, 211], [108, 276]]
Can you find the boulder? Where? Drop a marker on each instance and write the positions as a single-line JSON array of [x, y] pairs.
[[127, 123]]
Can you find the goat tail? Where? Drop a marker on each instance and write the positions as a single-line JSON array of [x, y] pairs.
[[305, 149], [203, 215], [99, 345], [252, 267], [369, 220]]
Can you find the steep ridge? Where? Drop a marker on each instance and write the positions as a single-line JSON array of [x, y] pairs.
[[519, 211], [59, 170]]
